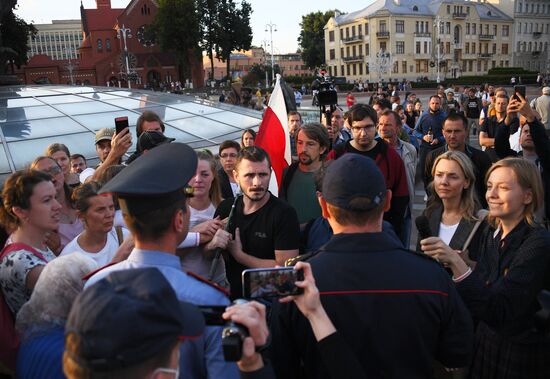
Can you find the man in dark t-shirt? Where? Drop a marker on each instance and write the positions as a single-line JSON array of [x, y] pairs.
[[268, 230]]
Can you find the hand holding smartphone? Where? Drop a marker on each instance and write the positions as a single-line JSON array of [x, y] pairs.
[[521, 90], [121, 123], [271, 282]]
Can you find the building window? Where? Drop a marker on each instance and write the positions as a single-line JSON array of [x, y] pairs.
[[447, 28], [367, 51], [108, 44], [348, 70], [341, 34], [354, 69], [382, 26], [383, 46], [353, 30], [400, 47], [495, 30], [347, 32], [473, 47], [415, 9], [360, 31], [504, 48], [467, 48], [478, 66], [474, 29], [418, 51], [395, 69], [360, 50], [347, 51], [331, 36], [404, 67], [354, 51], [342, 70], [447, 48], [335, 70], [399, 26], [448, 9], [367, 29], [505, 30], [426, 51], [332, 54], [467, 28], [99, 46], [494, 48]]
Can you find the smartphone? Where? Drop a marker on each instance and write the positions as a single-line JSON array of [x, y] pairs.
[[271, 282], [121, 123], [520, 90]]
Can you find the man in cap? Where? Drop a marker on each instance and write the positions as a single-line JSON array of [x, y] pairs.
[[152, 195], [398, 308], [110, 148], [129, 325]]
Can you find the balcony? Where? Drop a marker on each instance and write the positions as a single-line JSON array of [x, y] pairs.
[[486, 37], [537, 34], [355, 58], [352, 39], [485, 55], [457, 45], [383, 34], [460, 15], [423, 35]]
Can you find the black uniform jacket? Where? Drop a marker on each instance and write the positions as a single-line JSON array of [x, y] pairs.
[[396, 309]]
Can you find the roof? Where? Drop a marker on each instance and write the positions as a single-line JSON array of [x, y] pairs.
[[428, 8], [32, 117], [102, 19]]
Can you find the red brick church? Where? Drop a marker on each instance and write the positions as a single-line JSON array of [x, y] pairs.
[[101, 55]]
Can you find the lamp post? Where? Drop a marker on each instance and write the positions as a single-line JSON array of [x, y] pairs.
[[437, 24], [125, 33], [265, 43], [381, 62], [272, 28], [70, 66]]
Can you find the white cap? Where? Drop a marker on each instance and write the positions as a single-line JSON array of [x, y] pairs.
[[85, 174], [546, 91]]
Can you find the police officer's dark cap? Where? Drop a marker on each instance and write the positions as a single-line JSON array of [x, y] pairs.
[[127, 318], [154, 180], [353, 176]]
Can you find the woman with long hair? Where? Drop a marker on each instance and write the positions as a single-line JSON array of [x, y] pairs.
[[69, 224], [202, 206], [453, 205], [30, 212], [62, 156], [248, 137], [513, 266], [100, 239]]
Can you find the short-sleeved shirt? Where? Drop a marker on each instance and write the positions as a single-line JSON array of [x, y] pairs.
[[302, 196], [13, 275], [272, 227], [103, 256]]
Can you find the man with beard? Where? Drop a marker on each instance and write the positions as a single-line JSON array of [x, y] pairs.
[[265, 228], [298, 185], [363, 121]]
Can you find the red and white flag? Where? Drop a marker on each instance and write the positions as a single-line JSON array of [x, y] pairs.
[[273, 135]]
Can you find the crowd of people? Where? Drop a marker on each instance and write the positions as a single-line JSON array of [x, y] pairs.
[[105, 269]]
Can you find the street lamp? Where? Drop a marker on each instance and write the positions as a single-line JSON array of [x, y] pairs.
[[272, 28], [438, 24], [125, 33], [265, 43], [70, 66], [381, 63]]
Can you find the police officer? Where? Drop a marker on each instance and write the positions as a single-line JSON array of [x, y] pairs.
[[152, 193], [397, 310]]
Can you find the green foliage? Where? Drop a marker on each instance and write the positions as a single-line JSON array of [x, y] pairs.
[[177, 29], [512, 71], [14, 32], [234, 31], [312, 38], [209, 9], [257, 72], [503, 79]]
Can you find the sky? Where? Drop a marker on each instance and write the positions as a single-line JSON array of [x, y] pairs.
[[285, 14]]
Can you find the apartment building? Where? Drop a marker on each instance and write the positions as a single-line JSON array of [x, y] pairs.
[[410, 39], [59, 40]]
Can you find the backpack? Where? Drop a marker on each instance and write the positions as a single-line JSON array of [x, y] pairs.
[[8, 334]]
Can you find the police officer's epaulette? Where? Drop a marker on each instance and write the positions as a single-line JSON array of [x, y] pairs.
[[211, 284], [425, 256], [301, 258]]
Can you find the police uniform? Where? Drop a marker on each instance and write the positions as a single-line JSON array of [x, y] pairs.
[[154, 181], [397, 310]]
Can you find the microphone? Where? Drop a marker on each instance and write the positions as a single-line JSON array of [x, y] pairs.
[[423, 227]]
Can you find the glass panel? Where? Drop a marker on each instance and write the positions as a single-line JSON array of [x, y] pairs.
[[106, 119], [202, 127], [62, 99], [131, 103], [100, 96], [31, 113], [23, 152], [236, 136], [86, 107], [23, 102], [40, 128], [166, 113], [75, 89], [235, 119], [4, 165], [167, 99], [196, 109], [178, 135]]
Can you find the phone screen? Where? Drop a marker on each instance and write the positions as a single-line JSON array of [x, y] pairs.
[[271, 282], [520, 90], [121, 123]]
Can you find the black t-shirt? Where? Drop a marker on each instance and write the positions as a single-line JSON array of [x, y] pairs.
[[473, 107], [372, 153], [272, 227]]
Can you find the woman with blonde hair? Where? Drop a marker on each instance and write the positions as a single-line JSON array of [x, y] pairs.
[[202, 206], [452, 207], [513, 266]]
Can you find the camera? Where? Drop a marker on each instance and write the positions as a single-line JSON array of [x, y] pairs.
[[233, 334], [325, 96]]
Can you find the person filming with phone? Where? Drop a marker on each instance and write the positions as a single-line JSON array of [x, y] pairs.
[[396, 307]]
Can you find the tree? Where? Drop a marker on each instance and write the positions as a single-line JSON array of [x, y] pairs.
[[209, 11], [234, 31], [14, 32], [177, 28], [312, 38]]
